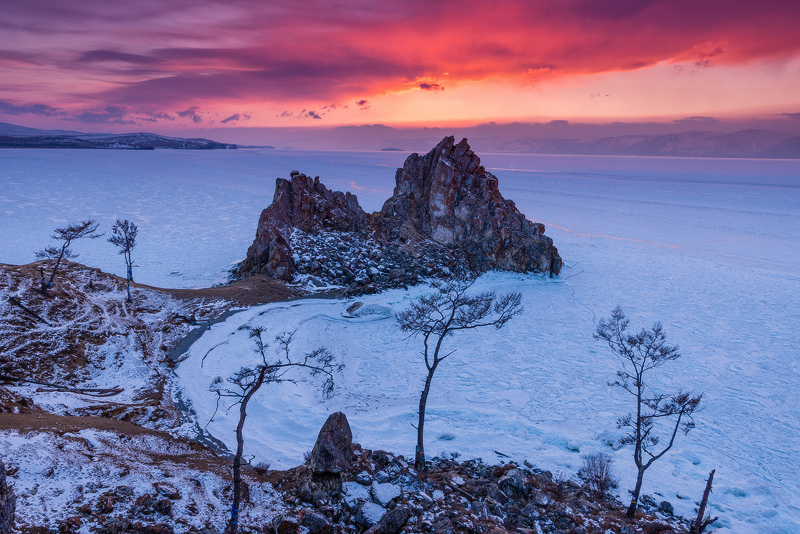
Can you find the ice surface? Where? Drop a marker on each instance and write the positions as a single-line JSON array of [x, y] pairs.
[[707, 246]]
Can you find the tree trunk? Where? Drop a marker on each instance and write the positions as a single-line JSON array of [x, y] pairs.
[[419, 459], [237, 469], [58, 263], [129, 291], [635, 497], [699, 524]]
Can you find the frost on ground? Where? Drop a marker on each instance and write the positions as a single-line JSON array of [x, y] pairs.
[[79, 480], [84, 335]]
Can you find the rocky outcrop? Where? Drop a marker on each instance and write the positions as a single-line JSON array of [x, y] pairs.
[[304, 204], [446, 214], [448, 197], [333, 450]]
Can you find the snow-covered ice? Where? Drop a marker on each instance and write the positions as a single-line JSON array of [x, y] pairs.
[[707, 246]]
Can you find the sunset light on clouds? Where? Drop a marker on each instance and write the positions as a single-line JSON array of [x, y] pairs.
[[166, 65]]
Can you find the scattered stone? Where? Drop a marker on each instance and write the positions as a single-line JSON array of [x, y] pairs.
[[513, 485], [316, 523], [368, 514], [392, 522], [354, 492], [443, 526], [287, 524], [384, 493], [333, 450], [364, 478]]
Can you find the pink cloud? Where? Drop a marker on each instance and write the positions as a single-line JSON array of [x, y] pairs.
[[309, 53]]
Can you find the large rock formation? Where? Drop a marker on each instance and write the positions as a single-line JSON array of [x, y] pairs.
[[448, 197], [446, 215], [304, 204]]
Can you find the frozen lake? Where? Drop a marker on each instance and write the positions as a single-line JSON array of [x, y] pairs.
[[197, 210], [707, 246]]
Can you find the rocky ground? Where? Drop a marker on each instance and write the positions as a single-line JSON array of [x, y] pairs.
[[344, 488]]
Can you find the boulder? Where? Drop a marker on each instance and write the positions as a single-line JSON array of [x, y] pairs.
[[333, 451]]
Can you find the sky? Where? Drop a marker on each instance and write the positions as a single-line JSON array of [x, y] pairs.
[[163, 66]]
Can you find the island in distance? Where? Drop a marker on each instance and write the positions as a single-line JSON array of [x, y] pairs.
[[12, 136]]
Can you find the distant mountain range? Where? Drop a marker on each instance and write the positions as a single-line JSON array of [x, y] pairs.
[[742, 144], [13, 136], [746, 143]]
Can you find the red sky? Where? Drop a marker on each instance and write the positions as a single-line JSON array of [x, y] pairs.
[[173, 64]]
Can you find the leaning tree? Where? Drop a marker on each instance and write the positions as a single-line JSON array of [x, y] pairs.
[[67, 234], [656, 413], [123, 236], [442, 313], [275, 368]]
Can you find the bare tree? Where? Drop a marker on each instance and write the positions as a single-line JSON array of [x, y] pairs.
[[443, 313], [68, 234], [597, 473], [275, 369], [641, 353], [123, 236]]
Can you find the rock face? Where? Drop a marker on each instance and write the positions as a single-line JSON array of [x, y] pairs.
[[333, 450], [7, 503], [307, 205], [446, 214], [448, 197]]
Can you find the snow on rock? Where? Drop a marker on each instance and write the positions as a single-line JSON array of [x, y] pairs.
[[80, 478], [384, 492]]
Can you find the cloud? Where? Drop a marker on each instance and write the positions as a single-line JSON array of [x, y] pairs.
[[9, 108], [173, 54], [112, 55], [791, 115], [363, 104], [192, 112], [151, 114], [704, 52], [236, 117], [311, 114], [109, 115], [431, 87], [696, 119]]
